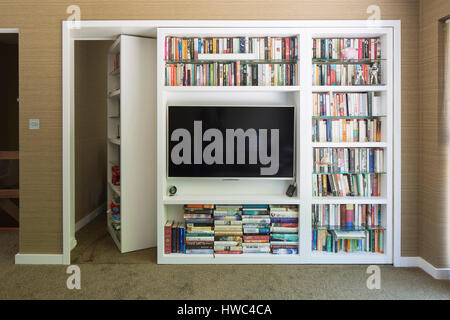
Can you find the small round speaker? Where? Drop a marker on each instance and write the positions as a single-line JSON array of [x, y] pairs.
[[172, 190]]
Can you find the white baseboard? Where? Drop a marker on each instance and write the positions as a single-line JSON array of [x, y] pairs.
[[91, 216], [437, 273], [39, 258]]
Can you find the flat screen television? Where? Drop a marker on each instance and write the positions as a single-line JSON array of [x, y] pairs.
[[231, 141]]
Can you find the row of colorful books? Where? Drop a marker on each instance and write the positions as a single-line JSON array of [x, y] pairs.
[[346, 216], [347, 185], [363, 104], [231, 74], [268, 48], [342, 48], [346, 74], [346, 130], [348, 160], [234, 229], [348, 241]]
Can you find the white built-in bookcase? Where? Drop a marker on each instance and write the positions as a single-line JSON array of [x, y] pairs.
[[266, 191]]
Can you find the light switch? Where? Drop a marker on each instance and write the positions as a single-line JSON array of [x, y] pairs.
[[33, 124]]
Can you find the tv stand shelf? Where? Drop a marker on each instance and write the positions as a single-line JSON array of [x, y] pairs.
[[192, 191]]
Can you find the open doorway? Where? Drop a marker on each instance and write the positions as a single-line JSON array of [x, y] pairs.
[[97, 118], [9, 145], [90, 79]]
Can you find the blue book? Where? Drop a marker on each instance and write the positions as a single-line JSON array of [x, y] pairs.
[[283, 220], [371, 155], [183, 239], [314, 241], [328, 130], [284, 251], [260, 206]]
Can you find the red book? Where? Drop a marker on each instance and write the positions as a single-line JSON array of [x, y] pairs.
[[360, 48], [328, 75], [259, 238], [168, 237], [228, 252]]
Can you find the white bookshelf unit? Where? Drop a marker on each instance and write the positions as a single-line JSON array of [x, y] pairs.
[[131, 141], [267, 191]]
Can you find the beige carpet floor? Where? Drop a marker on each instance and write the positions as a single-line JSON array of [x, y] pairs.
[[107, 274]]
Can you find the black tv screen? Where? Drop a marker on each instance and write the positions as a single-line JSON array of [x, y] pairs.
[[231, 142]]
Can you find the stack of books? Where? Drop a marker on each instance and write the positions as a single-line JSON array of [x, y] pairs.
[[256, 228], [347, 185], [348, 160], [365, 104], [199, 228], [346, 130], [284, 229], [174, 237], [227, 229]]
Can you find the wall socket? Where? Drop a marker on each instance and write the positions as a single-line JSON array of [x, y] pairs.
[[33, 124]]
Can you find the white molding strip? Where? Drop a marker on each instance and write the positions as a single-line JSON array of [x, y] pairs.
[[91, 216], [437, 273], [38, 258]]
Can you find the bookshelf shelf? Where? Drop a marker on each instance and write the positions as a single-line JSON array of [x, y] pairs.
[[232, 199], [349, 144], [115, 141], [114, 93], [217, 191], [116, 189]]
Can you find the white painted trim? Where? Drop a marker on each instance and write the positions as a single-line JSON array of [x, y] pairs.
[[68, 144], [9, 30], [91, 216], [397, 143], [39, 258], [437, 273], [418, 262]]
